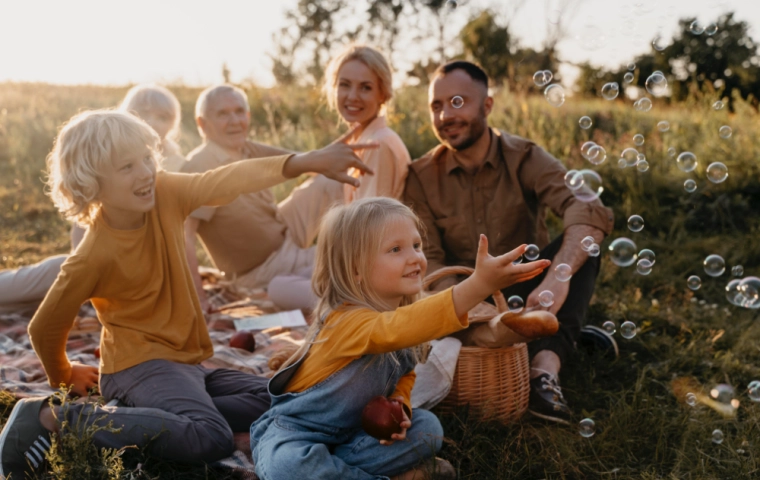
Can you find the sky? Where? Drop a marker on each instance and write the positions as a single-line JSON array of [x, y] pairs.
[[187, 41]]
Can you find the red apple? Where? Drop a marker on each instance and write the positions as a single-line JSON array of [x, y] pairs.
[[97, 352], [382, 417], [243, 339]]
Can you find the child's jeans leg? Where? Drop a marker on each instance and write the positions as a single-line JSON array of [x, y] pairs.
[[290, 449], [424, 440], [240, 397], [171, 413]]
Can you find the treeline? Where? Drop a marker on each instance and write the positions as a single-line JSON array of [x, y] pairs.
[[719, 59]]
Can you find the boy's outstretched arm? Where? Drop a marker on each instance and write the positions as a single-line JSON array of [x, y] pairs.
[[491, 274]]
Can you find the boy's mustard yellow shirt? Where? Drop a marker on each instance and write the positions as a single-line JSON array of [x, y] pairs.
[[353, 332], [139, 281]]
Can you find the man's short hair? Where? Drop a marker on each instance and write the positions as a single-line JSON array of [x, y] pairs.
[[474, 71]]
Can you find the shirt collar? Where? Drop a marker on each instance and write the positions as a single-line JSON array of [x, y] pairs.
[[492, 155]]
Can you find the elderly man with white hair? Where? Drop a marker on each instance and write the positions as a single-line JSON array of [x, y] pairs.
[[252, 239]]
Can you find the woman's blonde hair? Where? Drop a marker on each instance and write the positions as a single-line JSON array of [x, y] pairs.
[[349, 238], [143, 98], [84, 147], [370, 57]]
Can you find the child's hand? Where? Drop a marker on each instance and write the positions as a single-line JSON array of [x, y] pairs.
[[332, 161], [493, 273], [405, 424], [83, 379]]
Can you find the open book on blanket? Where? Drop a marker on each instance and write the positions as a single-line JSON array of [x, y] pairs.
[[289, 319]]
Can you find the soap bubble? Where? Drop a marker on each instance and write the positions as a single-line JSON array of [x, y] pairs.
[[597, 155], [573, 181], [585, 122], [753, 389], [542, 78], [515, 304], [631, 66], [724, 394], [749, 288], [687, 161], [609, 327], [628, 77], [694, 282], [737, 270], [717, 172], [691, 399], [635, 223], [563, 272], [587, 242], [644, 266], [623, 252], [457, 101], [642, 165], [717, 437], [717, 105], [711, 30], [640, 158], [664, 126], [610, 91], [586, 147], [621, 163], [594, 250], [643, 104], [546, 298], [672, 152], [451, 4], [587, 428], [531, 252], [690, 185], [647, 254], [630, 156], [658, 43], [518, 261], [733, 295], [591, 187], [657, 84], [725, 132], [638, 139], [696, 28], [714, 265], [555, 95], [628, 330]]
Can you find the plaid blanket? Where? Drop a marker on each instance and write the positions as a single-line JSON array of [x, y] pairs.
[[21, 372]]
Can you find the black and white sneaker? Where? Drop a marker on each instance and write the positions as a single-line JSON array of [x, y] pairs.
[[546, 400], [596, 339], [24, 441]]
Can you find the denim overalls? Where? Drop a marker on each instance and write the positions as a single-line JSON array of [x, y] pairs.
[[317, 434]]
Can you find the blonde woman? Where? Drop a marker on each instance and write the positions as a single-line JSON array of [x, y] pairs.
[[358, 85]]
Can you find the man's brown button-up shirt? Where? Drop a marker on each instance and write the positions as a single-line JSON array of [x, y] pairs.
[[505, 199]]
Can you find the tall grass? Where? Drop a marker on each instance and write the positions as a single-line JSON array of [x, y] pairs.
[[644, 429]]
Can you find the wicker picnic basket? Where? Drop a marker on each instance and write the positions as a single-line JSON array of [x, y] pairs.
[[495, 382]]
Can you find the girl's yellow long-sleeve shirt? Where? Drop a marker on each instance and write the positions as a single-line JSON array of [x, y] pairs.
[[139, 281], [350, 333]]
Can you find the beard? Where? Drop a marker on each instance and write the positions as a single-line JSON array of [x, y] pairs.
[[474, 129]]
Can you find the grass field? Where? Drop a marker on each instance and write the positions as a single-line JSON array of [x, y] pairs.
[[644, 429]]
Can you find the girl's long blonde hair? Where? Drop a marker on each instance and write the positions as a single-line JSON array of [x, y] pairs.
[[349, 238]]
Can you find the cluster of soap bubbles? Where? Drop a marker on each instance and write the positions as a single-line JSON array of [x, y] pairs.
[[588, 244], [627, 328], [643, 104], [744, 292], [585, 185], [596, 154]]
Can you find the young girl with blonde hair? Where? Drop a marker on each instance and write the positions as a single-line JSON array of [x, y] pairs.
[[132, 265], [364, 342]]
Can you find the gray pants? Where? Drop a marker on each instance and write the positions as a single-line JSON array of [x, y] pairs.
[[180, 412]]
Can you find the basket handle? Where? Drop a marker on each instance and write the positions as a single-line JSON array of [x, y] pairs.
[[498, 297]]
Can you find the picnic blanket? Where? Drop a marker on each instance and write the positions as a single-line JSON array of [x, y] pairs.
[[21, 372]]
